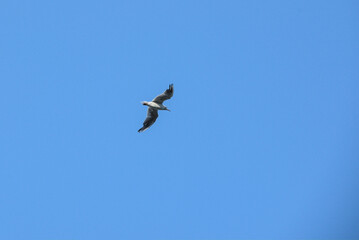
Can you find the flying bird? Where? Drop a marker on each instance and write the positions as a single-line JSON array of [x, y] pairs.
[[155, 105]]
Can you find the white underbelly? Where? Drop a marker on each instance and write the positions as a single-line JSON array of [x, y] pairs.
[[156, 105]]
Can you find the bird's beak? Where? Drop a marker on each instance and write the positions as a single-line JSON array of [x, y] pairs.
[[168, 110]]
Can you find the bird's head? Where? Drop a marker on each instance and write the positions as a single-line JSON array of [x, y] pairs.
[[144, 103]]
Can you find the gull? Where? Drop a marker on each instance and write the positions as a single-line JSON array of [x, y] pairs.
[[155, 105]]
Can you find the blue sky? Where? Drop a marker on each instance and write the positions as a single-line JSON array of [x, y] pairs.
[[261, 143]]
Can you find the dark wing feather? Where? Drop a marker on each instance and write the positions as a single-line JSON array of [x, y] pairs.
[[152, 115], [164, 96]]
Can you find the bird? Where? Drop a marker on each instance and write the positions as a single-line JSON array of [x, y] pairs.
[[155, 105]]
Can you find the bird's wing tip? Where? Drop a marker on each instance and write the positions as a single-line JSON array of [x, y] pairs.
[[142, 129]]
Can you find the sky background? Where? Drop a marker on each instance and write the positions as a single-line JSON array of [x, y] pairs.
[[261, 143]]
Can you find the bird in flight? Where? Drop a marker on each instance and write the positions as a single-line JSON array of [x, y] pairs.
[[155, 105]]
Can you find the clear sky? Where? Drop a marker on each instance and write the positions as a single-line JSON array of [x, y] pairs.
[[261, 142]]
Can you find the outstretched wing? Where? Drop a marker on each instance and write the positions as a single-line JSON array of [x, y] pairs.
[[164, 96], [152, 115]]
